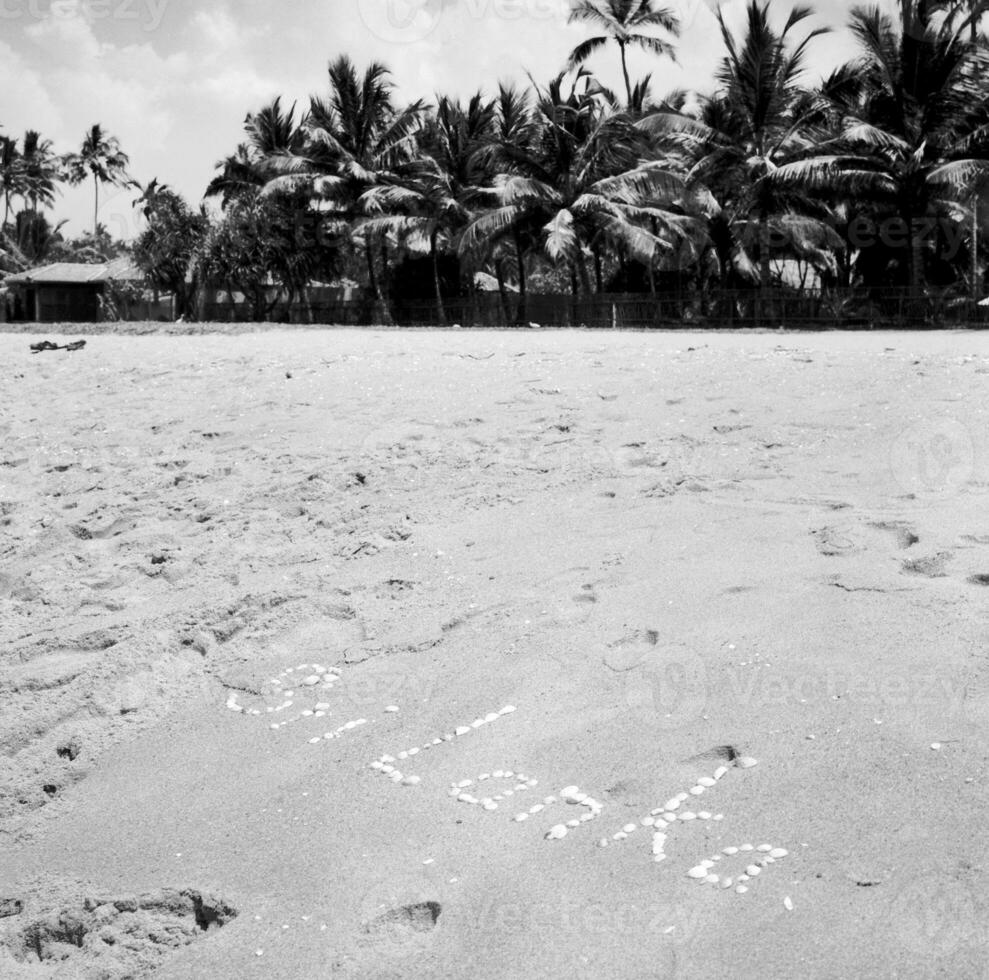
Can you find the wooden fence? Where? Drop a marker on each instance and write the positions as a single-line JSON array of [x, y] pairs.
[[806, 309]]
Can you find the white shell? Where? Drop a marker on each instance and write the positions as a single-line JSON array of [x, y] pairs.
[[696, 790], [569, 791], [703, 815], [507, 710], [729, 850], [727, 882], [648, 821], [311, 681], [688, 816], [741, 890], [788, 903], [778, 852], [519, 817], [697, 872], [461, 730], [706, 781], [672, 804], [746, 847], [630, 828], [752, 870], [712, 879], [411, 781], [765, 847], [557, 832], [491, 716], [746, 762], [572, 824]]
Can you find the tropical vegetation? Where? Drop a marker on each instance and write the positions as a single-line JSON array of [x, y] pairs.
[[770, 177]]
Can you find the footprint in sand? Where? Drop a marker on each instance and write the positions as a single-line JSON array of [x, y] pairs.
[[855, 539], [398, 909], [103, 937], [932, 566]]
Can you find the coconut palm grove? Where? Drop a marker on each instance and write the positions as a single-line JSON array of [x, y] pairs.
[[770, 196]]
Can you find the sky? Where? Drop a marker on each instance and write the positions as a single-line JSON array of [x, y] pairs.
[[174, 79]]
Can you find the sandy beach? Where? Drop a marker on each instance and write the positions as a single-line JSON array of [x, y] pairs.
[[673, 597]]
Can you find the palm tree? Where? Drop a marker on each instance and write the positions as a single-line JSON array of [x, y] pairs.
[[354, 141], [622, 22], [916, 122], [431, 205], [101, 158], [270, 132], [581, 184], [38, 170], [10, 175], [760, 120]]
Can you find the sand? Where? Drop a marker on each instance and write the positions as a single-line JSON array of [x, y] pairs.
[[664, 550]]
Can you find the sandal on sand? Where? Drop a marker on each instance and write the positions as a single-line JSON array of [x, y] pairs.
[[44, 345]]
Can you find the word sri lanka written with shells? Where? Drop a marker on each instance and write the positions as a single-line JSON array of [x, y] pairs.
[[660, 819]]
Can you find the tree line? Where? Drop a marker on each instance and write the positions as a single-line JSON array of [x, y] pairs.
[[871, 176]]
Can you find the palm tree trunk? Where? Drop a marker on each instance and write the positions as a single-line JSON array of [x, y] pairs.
[[764, 267], [523, 310], [96, 206], [628, 83], [598, 284], [440, 312], [372, 278], [585, 279], [916, 260], [975, 247], [502, 292]]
